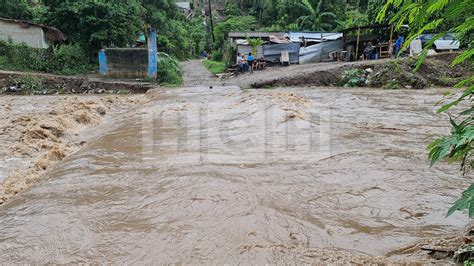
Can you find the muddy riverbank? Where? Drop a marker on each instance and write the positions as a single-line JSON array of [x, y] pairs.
[[220, 175], [27, 83], [436, 71]]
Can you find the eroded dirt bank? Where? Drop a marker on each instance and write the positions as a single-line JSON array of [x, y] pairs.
[[436, 71], [14, 82], [258, 176]]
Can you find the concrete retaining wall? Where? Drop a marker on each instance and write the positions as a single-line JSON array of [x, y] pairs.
[[127, 62]]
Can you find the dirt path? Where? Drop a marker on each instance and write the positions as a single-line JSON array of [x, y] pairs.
[[436, 71], [195, 74]]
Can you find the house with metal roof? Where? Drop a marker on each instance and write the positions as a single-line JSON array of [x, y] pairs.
[[32, 34]]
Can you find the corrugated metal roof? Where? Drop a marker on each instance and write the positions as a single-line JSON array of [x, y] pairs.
[[184, 5], [272, 52], [329, 36], [253, 34]]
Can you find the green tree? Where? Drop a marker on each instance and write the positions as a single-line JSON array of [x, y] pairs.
[[22, 9], [315, 19], [231, 9], [233, 24], [97, 23], [255, 43], [354, 18], [177, 36]]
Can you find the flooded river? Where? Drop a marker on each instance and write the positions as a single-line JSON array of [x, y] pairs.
[[226, 176]]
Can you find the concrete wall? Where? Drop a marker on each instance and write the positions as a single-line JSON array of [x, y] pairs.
[[127, 62], [33, 36]]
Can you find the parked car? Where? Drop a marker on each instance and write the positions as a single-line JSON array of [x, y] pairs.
[[447, 42]]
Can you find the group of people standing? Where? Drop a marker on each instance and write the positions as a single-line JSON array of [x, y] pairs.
[[370, 52], [249, 63]]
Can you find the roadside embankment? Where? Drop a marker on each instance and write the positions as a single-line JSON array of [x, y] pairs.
[[435, 71], [39, 83]]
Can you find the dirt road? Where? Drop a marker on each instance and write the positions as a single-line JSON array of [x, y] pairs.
[[195, 74], [435, 72]]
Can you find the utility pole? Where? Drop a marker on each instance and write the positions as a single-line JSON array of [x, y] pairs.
[[212, 21]]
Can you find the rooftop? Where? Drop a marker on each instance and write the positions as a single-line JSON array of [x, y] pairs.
[[52, 34], [253, 34]]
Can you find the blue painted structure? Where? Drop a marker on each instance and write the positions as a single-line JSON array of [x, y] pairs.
[[131, 62], [103, 67], [152, 54]]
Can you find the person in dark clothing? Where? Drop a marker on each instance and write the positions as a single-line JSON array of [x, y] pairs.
[[369, 50]]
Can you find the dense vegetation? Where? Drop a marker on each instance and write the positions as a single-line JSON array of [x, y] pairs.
[[98, 23], [92, 24], [284, 15], [66, 59]]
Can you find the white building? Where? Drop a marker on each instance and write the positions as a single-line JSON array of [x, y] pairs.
[[33, 35]]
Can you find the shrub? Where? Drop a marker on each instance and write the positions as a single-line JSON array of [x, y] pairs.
[[215, 67], [27, 84], [65, 59], [71, 59], [392, 85], [169, 70], [217, 55], [353, 78]]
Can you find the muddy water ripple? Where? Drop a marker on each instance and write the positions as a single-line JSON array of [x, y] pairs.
[[225, 175]]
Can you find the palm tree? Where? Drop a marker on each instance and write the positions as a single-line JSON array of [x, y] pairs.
[[315, 20]]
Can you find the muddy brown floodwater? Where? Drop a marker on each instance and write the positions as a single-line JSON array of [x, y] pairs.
[[254, 176]]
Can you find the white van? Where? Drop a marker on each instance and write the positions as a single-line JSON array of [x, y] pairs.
[[447, 42]]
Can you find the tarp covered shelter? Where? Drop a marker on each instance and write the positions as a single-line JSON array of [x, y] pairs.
[[278, 42], [272, 52], [320, 52]]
